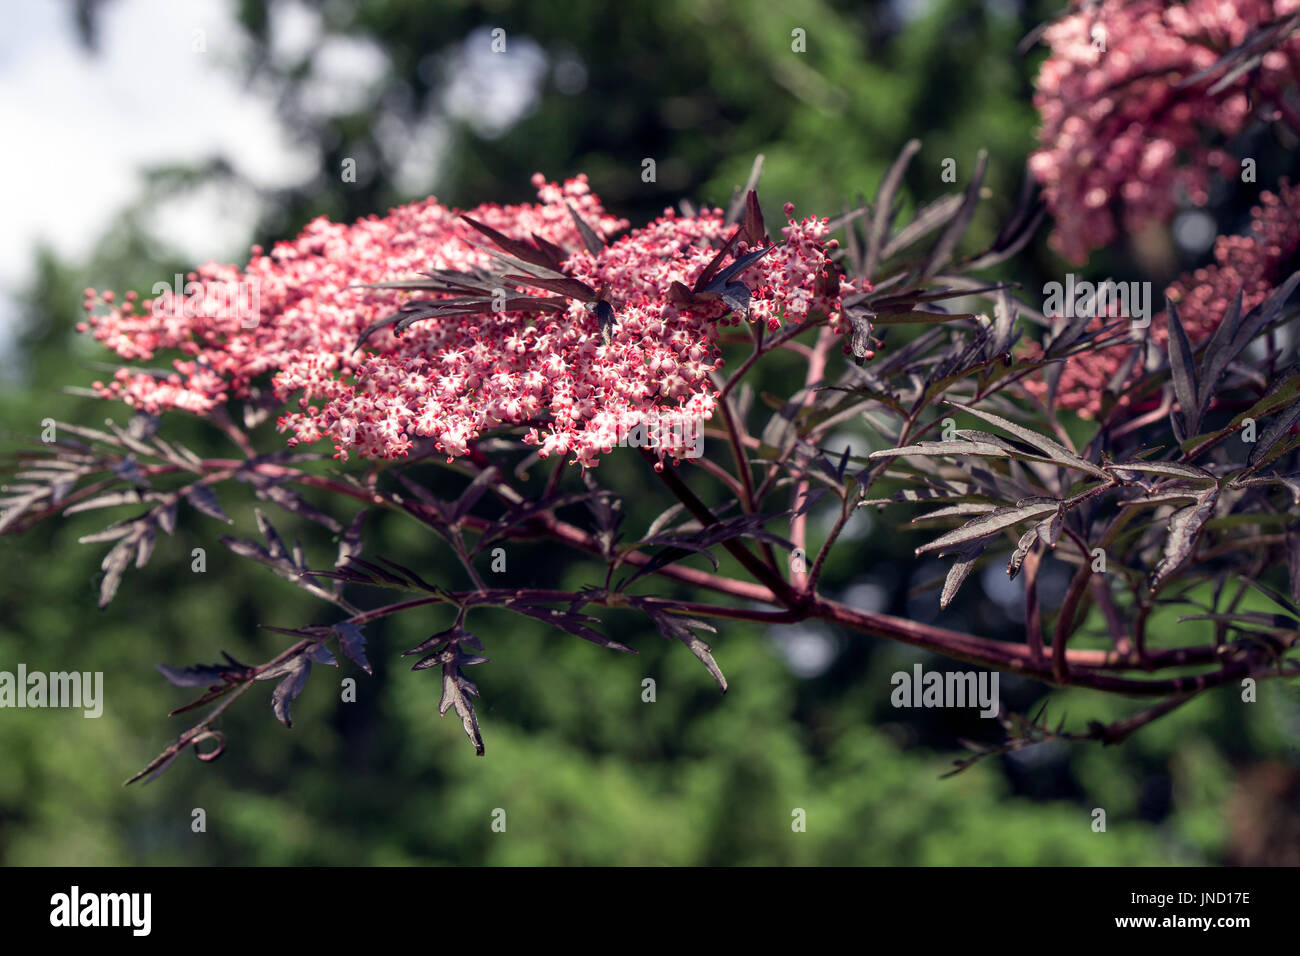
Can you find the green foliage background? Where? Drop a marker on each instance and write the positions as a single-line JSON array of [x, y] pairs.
[[586, 772]]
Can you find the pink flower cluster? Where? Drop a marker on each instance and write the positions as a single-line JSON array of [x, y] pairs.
[[1255, 264], [450, 379], [1120, 141]]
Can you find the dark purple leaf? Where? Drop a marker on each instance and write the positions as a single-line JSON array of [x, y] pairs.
[[289, 501], [572, 288], [274, 543], [292, 682], [960, 570], [590, 239], [942, 252], [456, 692], [702, 281], [1027, 541], [722, 280], [1184, 530], [350, 545], [860, 342], [736, 207], [353, 644], [1128, 470], [165, 515], [676, 628], [927, 219], [1217, 353], [114, 566], [1183, 369], [319, 654], [1271, 435], [990, 524], [605, 318], [883, 211], [111, 499], [204, 499], [575, 624], [1047, 446], [515, 247], [200, 675], [144, 542], [473, 492], [755, 232]]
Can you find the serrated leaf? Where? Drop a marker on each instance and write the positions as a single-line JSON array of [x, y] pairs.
[[1027, 541], [350, 545], [941, 254], [575, 624], [114, 566], [289, 687], [453, 635], [112, 499], [676, 545], [199, 675], [1053, 449], [683, 629], [294, 502], [353, 644], [1263, 314], [112, 532], [860, 340], [960, 509], [572, 288], [991, 523], [943, 449], [274, 543], [664, 519], [1164, 497], [883, 212], [1184, 529], [1171, 469], [959, 571], [144, 542], [810, 501], [1271, 435], [165, 515], [927, 219], [320, 654], [1049, 530], [456, 692], [129, 471], [204, 499]]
